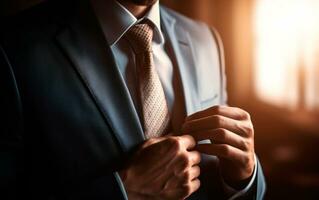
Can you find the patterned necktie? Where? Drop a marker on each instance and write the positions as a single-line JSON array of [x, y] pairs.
[[155, 115]]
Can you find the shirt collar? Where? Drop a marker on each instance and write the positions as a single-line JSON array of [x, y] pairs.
[[115, 20]]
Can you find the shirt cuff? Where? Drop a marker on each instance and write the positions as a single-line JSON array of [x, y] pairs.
[[233, 193], [121, 185]]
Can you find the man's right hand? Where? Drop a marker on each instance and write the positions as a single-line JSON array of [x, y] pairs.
[[163, 168]]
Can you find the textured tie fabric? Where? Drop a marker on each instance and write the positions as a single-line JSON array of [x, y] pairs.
[[155, 115]]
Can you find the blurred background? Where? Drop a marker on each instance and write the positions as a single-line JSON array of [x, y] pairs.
[[272, 66]]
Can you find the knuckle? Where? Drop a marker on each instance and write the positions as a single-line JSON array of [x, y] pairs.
[[198, 157], [197, 171], [245, 144], [192, 139], [246, 129], [222, 133], [185, 160], [199, 183], [217, 109], [246, 115], [242, 113], [148, 142], [187, 176], [226, 150], [250, 130], [247, 164], [251, 165], [217, 120], [245, 161], [174, 143]]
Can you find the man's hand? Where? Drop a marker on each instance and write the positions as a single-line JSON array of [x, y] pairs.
[[163, 168], [231, 132]]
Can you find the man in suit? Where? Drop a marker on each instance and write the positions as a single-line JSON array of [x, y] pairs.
[[119, 100]]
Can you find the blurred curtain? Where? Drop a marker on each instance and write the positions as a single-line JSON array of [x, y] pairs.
[[286, 53]]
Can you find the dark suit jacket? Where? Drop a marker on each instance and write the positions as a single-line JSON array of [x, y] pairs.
[[68, 120]]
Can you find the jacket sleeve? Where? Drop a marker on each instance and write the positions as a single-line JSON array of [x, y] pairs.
[[13, 183], [105, 187]]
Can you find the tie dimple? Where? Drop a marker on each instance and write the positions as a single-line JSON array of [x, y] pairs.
[[140, 37], [155, 115]]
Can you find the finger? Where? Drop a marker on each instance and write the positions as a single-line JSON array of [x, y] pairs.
[[184, 161], [194, 186], [211, 122], [222, 136], [227, 111], [222, 150], [187, 141], [184, 190], [194, 157], [168, 147], [194, 172], [188, 174], [214, 122], [152, 141]]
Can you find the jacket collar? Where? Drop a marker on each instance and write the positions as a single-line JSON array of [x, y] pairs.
[[112, 14]]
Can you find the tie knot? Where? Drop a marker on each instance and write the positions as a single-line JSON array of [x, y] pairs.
[[140, 37]]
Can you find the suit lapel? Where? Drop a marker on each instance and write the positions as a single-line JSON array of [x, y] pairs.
[[87, 49], [180, 43]]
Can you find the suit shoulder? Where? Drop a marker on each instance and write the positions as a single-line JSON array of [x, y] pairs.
[[191, 25], [30, 28], [200, 33], [202, 36], [33, 16], [30, 23]]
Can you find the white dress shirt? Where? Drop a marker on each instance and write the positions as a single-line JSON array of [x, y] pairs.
[[115, 20]]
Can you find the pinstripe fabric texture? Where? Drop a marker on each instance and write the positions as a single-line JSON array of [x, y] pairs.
[[152, 98]]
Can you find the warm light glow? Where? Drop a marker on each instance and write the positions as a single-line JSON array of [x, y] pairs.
[[287, 52]]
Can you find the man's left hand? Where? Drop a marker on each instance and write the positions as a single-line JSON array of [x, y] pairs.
[[232, 134]]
